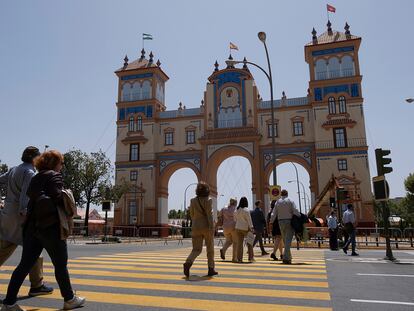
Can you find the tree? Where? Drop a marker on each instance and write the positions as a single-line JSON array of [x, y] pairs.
[[89, 177], [3, 169]]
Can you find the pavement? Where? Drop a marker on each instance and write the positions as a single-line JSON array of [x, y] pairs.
[[149, 277]]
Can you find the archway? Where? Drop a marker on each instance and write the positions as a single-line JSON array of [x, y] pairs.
[[234, 180], [181, 186], [298, 186], [173, 180], [216, 158]]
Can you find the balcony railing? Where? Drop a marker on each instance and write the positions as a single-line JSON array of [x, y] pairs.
[[231, 123], [349, 143], [334, 74]]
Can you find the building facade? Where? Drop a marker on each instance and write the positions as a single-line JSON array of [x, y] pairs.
[[323, 131]]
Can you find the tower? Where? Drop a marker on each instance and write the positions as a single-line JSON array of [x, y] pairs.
[[338, 111], [141, 87]]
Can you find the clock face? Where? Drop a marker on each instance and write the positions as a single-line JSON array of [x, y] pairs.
[[229, 97]]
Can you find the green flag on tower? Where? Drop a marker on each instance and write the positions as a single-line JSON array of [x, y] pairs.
[[146, 36]]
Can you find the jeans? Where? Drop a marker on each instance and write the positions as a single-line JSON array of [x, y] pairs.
[[33, 244], [198, 236], [351, 240], [259, 238], [287, 236]]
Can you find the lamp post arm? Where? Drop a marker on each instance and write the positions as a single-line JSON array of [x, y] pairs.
[[261, 68]]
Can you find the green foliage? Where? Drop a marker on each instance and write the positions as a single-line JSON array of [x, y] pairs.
[[3, 188], [174, 214], [409, 184], [88, 176]]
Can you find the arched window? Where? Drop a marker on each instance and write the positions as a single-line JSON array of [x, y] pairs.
[[342, 104], [139, 124], [131, 124], [136, 91], [334, 68], [146, 90], [126, 92], [347, 66], [331, 105], [321, 69]]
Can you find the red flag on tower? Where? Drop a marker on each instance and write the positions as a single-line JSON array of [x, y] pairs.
[[330, 8]]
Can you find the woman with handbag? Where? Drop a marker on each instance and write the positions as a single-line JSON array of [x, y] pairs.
[[202, 228], [42, 231], [244, 227]]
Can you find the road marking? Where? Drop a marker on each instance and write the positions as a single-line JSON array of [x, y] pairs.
[[135, 275], [225, 266], [380, 274], [178, 269], [218, 263], [384, 302], [308, 295], [179, 303]]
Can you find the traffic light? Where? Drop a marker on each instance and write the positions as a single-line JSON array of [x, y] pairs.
[[382, 169], [332, 202], [381, 188]]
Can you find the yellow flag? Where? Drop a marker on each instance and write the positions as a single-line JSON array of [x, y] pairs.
[[233, 47]]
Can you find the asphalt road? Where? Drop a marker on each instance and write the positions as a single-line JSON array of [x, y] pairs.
[[149, 277]]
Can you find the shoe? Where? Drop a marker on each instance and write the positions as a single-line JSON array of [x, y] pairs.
[[42, 290], [281, 257], [186, 267], [74, 303], [212, 272], [345, 250], [273, 256], [354, 254], [14, 307], [222, 255], [287, 262], [252, 260], [265, 253]]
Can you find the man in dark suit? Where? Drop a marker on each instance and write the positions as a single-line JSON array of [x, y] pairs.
[[259, 223]]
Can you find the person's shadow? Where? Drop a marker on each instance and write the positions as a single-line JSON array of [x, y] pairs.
[[197, 278]]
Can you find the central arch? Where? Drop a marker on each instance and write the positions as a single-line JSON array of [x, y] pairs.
[[218, 157]]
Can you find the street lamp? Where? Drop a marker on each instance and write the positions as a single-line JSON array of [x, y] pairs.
[[303, 188], [262, 37], [297, 181], [409, 100]]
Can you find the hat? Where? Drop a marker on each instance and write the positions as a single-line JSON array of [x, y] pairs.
[[29, 154]]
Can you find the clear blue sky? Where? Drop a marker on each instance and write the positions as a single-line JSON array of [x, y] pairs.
[[57, 85]]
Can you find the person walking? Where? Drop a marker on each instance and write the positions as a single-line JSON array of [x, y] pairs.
[[244, 225], [229, 228], [202, 228], [333, 231], [284, 211], [349, 224], [12, 217], [276, 234], [259, 223], [42, 230]]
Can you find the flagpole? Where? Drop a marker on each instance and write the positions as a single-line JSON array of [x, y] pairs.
[[143, 47], [327, 13]]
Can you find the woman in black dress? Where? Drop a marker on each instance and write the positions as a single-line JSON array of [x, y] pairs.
[[277, 235]]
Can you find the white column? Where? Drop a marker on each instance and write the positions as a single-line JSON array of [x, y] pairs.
[[214, 201], [163, 211], [266, 203]]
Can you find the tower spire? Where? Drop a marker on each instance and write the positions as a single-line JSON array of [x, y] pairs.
[[142, 54], [314, 37], [329, 27]]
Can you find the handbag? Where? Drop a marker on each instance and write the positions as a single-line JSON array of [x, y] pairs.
[[250, 238]]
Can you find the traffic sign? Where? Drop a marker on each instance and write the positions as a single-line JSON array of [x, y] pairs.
[[106, 206], [274, 192]]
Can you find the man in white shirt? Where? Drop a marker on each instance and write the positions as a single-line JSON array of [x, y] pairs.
[[284, 210], [349, 223], [333, 231]]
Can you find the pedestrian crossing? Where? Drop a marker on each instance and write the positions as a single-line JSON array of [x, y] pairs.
[[151, 280]]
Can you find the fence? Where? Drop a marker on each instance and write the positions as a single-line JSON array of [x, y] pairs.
[[367, 237]]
